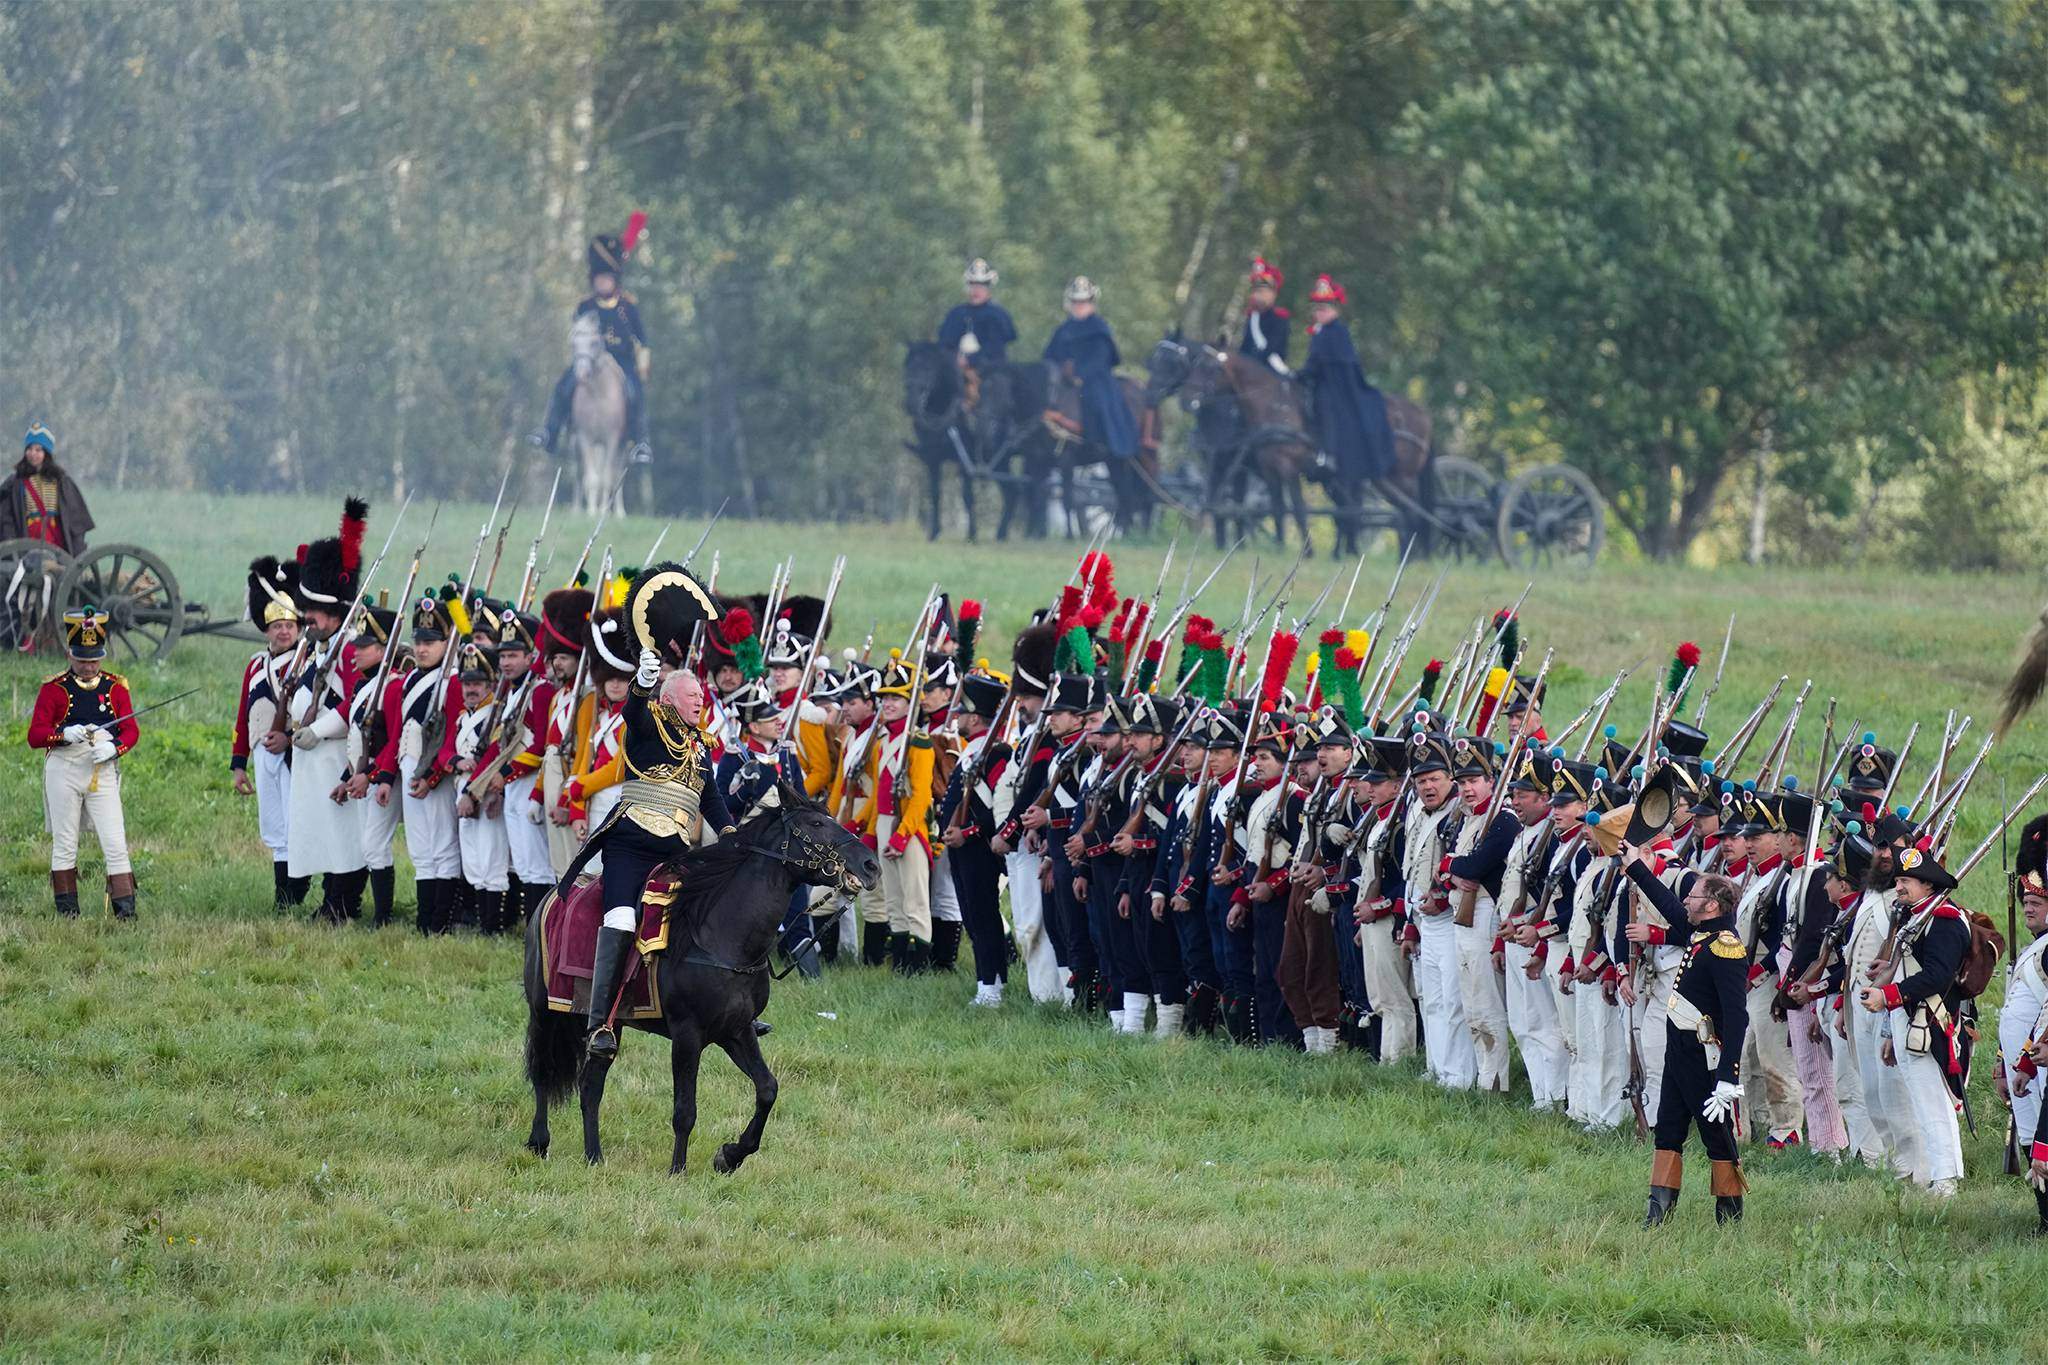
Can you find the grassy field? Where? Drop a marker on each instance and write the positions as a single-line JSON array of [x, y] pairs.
[[231, 1137]]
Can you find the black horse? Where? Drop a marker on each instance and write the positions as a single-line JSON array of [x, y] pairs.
[[991, 439], [1247, 422], [714, 976]]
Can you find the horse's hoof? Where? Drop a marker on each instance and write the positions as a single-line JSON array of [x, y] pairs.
[[677, 1168], [593, 1158], [539, 1149], [722, 1163]]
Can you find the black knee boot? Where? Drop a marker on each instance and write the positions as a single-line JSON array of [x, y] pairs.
[[296, 890], [1662, 1200], [64, 889], [2041, 1203], [874, 944], [946, 945], [281, 879], [423, 908], [606, 975], [383, 889], [899, 953], [919, 955], [827, 932], [490, 913]]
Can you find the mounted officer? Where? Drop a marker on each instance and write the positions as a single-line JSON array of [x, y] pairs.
[[618, 320], [1085, 350], [1350, 414], [1266, 325], [979, 331]]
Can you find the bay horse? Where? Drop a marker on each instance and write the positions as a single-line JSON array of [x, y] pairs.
[[713, 978], [597, 416]]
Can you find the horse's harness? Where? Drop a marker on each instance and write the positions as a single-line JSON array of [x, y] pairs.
[[797, 850]]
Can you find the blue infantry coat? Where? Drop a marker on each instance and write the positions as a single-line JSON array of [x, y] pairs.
[[1105, 418], [1264, 338], [1351, 415], [992, 328]]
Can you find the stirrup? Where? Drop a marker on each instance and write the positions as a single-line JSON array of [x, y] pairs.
[[539, 438], [640, 454], [603, 1042]]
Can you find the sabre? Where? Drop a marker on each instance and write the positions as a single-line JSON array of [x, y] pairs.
[[707, 532], [528, 578], [143, 711], [1699, 717]]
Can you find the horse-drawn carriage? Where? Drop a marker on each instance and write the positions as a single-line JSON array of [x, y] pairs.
[[146, 611], [1253, 457]]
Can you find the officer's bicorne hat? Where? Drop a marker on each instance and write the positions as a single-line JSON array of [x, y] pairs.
[[271, 588], [564, 614], [1870, 765], [1328, 726], [754, 702], [519, 630], [982, 693], [613, 652], [666, 608], [1522, 694], [1472, 756], [375, 624], [328, 569], [1381, 758], [940, 670], [1429, 751], [1921, 862], [479, 664], [1073, 693], [85, 633], [1031, 658], [979, 271]]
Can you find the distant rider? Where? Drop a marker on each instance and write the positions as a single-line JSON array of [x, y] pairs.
[[618, 318]]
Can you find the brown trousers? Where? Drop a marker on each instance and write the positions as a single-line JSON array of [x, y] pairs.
[[1308, 965]]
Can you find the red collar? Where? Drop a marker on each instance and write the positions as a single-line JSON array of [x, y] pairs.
[[895, 727], [1769, 864]]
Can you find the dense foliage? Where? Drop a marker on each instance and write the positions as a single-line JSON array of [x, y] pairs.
[[290, 245]]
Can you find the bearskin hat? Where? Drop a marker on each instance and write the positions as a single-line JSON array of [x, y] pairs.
[[273, 589], [666, 609], [2031, 862], [564, 620], [1031, 658], [613, 653], [329, 569]]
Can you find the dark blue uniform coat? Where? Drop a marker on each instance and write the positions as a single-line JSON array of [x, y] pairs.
[[1105, 418], [992, 328], [1351, 415]]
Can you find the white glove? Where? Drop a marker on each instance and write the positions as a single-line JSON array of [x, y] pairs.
[[1279, 366], [103, 751], [77, 734], [1721, 1103], [650, 669], [304, 738]]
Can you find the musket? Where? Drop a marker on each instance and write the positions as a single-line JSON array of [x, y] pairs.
[[1372, 642], [412, 574], [1147, 616], [1954, 805], [1827, 742], [493, 522], [335, 641], [1316, 606], [1732, 751], [707, 533], [1596, 711], [803, 682], [528, 579], [711, 583], [1095, 540], [1344, 607], [1940, 772], [1849, 740], [1188, 600], [1783, 746], [1390, 668], [1699, 717], [1884, 802], [647, 560], [583, 560]]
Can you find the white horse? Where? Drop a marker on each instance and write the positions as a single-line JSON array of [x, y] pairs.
[[597, 416]]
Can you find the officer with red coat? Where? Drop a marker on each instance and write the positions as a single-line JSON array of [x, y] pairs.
[[84, 721]]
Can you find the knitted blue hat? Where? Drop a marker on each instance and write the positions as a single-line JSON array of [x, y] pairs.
[[39, 435]]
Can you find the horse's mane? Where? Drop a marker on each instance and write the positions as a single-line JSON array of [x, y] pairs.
[[707, 872]]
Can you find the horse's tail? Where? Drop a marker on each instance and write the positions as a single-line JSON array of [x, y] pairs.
[[554, 1052]]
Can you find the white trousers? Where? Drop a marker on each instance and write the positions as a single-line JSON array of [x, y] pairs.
[[1599, 1060], [1770, 1077], [1483, 996], [79, 794], [380, 826], [1652, 1009], [529, 842], [1884, 1097], [273, 779], [1446, 1042], [906, 884], [561, 843], [324, 837], [486, 856], [1532, 1018], [1389, 990], [1848, 1068], [1027, 923], [1935, 1151], [430, 828]]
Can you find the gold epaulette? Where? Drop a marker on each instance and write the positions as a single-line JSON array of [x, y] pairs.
[[1725, 944], [114, 678], [59, 676]]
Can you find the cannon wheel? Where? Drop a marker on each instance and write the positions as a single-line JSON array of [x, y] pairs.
[[30, 572], [138, 592], [1552, 514], [1464, 507]]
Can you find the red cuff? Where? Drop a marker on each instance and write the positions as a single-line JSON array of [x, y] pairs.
[[1610, 975], [1892, 998], [1567, 967], [1443, 868], [1411, 934], [1756, 972], [2040, 1152], [899, 841], [2025, 1065], [1657, 936], [1500, 945], [1240, 897], [1542, 950]]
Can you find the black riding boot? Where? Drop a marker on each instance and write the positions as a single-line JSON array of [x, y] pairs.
[[64, 889], [490, 913], [1662, 1200], [946, 944], [1727, 1208], [606, 975], [2041, 1203], [296, 890], [874, 944], [899, 953], [919, 957], [383, 889], [464, 909], [281, 877], [423, 909]]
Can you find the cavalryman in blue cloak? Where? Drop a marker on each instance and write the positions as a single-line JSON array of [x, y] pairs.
[[618, 320], [1085, 350], [1265, 323], [1350, 414], [979, 331]]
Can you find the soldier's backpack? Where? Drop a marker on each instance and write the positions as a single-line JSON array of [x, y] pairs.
[[1980, 960]]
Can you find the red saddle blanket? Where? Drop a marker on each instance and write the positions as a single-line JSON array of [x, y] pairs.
[[568, 946]]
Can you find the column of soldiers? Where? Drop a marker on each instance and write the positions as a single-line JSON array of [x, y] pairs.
[[1391, 875]]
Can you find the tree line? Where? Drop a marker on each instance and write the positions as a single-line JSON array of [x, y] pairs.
[[1730, 258]]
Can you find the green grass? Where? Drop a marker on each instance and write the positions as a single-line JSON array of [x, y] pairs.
[[229, 1137]]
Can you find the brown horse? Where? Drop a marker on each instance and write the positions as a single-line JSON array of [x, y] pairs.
[[1135, 481]]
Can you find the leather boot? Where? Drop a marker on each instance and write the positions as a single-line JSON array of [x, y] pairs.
[[607, 973], [296, 890], [490, 913], [464, 910], [1666, 1171], [1727, 1208], [281, 876], [899, 953], [423, 906], [1728, 1187], [919, 957], [945, 945], [874, 944], [357, 880], [827, 930], [2041, 1204], [383, 888], [64, 888], [1662, 1198], [448, 898], [121, 894]]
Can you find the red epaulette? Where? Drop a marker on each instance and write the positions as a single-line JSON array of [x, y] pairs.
[[1045, 754], [1280, 312], [1948, 910]]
